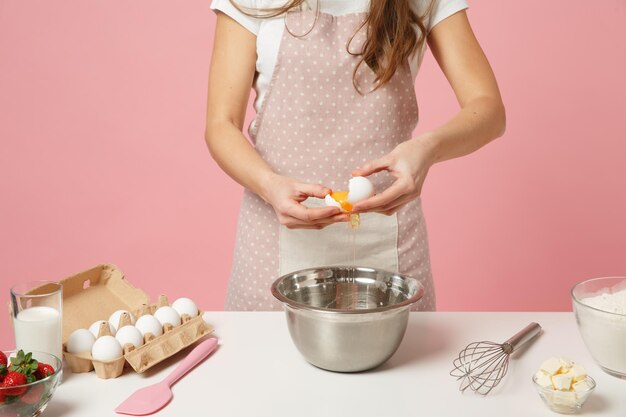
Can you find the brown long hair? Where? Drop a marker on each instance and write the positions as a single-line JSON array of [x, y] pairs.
[[391, 37]]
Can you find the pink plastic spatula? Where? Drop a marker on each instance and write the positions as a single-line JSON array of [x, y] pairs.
[[152, 398]]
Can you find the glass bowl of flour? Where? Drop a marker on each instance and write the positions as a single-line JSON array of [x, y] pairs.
[[600, 309]]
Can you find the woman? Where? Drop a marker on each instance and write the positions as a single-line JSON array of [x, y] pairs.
[[335, 98]]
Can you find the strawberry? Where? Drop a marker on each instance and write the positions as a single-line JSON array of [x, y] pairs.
[[43, 370], [3, 372], [14, 379], [33, 395], [24, 364], [3, 358]]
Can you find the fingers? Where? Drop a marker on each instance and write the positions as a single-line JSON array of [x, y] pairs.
[[394, 206], [341, 217], [287, 198], [314, 190], [294, 223], [372, 167], [310, 215], [292, 214], [305, 226], [399, 188]]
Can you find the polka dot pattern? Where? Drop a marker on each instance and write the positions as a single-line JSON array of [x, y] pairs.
[[314, 126], [255, 263], [413, 252]]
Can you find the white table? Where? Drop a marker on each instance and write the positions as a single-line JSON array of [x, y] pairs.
[[257, 371]]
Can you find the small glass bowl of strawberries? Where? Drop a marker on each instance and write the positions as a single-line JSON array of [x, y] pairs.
[[27, 382]]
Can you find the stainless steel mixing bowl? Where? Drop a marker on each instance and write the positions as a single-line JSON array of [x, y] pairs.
[[346, 319]]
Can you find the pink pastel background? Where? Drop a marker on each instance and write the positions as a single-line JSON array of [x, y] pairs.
[[102, 108]]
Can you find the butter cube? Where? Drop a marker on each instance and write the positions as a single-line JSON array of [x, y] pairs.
[[562, 382], [568, 373], [543, 379], [567, 398], [551, 366], [578, 373], [581, 386], [566, 364]]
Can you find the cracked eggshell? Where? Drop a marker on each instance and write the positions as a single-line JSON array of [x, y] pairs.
[[149, 324], [331, 202], [359, 188], [80, 340]]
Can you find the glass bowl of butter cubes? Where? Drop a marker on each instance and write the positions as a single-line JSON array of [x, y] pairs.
[[563, 385]]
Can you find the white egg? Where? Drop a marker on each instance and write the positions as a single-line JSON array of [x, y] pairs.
[[206, 317], [331, 202], [114, 319], [359, 188], [149, 324], [80, 340], [185, 306], [106, 348], [95, 327], [167, 314], [129, 334]]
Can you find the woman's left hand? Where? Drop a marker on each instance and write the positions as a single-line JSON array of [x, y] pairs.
[[409, 162]]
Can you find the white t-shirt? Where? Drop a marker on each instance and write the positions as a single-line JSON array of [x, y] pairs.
[[269, 30]]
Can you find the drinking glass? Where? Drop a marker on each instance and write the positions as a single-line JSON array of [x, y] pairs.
[[36, 309]]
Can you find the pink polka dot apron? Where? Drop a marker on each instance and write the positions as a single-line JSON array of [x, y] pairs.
[[315, 127]]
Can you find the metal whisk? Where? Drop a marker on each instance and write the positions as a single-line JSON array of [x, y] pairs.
[[482, 365]]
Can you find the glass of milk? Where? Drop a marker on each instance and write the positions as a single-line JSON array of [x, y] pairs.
[[36, 308]]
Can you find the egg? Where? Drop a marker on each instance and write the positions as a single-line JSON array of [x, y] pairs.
[[167, 314], [95, 328], [80, 340], [359, 189], [149, 324], [185, 306], [114, 319], [206, 317], [129, 334], [335, 199], [106, 348]]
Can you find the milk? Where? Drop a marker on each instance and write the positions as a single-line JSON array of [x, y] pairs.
[[38, 328]]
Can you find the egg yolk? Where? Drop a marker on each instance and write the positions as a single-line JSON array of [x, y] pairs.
[[342, 198]]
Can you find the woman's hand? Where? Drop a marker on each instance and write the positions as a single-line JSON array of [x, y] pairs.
[[409, 162], [482, 117], [286, 195]]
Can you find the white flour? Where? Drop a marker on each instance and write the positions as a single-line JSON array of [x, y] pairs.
[[605, 333], [615, 303]]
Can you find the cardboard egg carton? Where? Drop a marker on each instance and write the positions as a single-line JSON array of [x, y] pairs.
[[94, 295]]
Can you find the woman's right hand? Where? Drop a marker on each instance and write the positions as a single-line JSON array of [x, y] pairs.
[[286, 195], [232, 73]]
